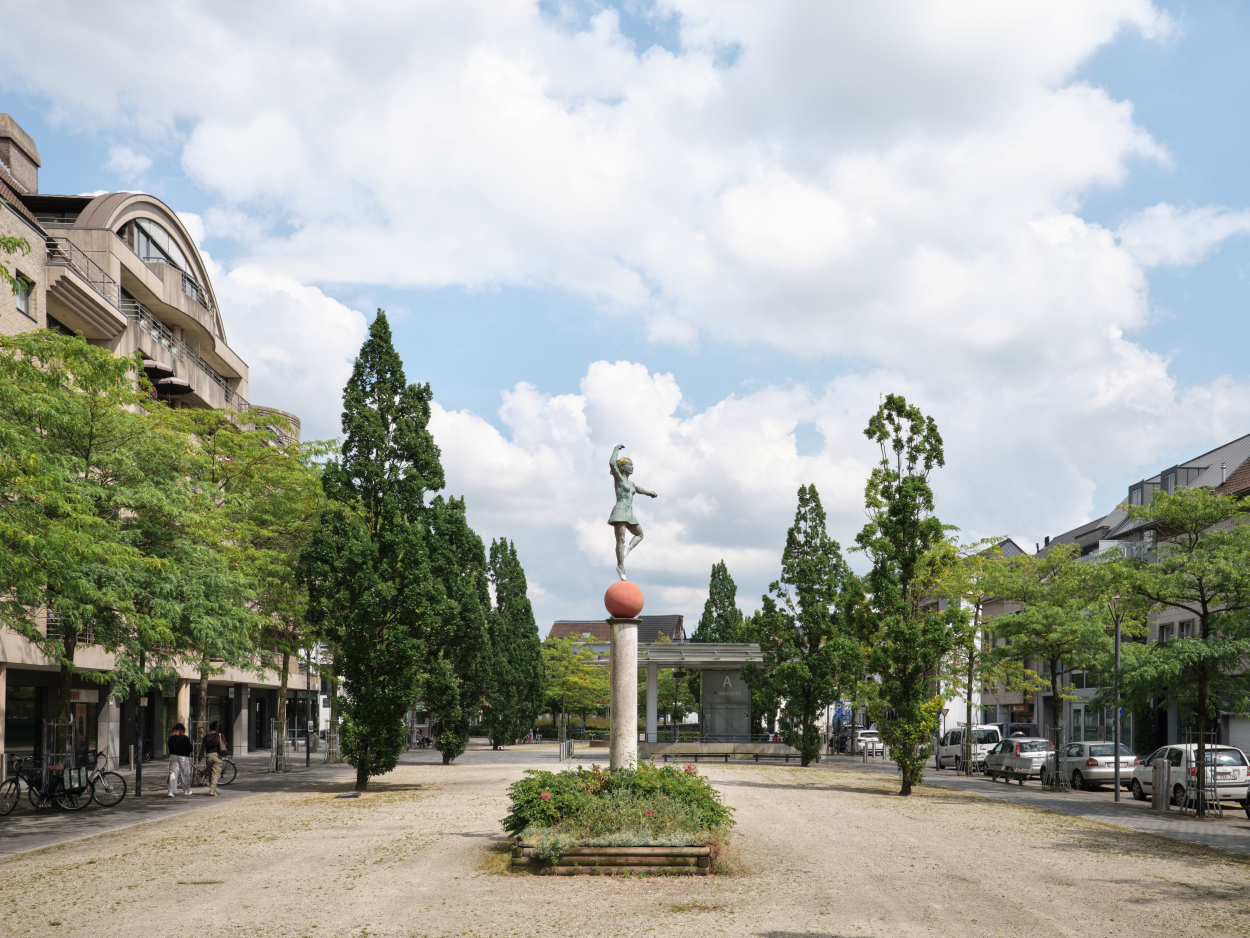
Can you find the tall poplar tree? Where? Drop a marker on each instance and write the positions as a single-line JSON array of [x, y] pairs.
[[722, 620], [911, 635], [457, 640], [368, 565], [807, 627], [518, 687]]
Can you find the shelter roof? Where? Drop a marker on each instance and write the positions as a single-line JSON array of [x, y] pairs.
[[650, 628], [693, 656]]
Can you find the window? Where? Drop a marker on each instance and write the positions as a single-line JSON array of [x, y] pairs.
[[1134, 496], [1174, 756], [1186, 629], [1165, 633], [1169, 483], [23, 296]]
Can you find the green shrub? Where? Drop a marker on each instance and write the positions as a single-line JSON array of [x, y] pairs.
[[664, 801]]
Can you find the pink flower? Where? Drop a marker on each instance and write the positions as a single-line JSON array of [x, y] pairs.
[[545, 796], [689, 769], [647, 813]]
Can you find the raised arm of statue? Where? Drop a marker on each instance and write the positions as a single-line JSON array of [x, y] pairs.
[[616, 470]]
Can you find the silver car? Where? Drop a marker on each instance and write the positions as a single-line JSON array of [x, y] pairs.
[[1232, 773], [1091, 765], [1019, 758]]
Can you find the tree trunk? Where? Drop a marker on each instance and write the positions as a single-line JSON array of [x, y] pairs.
[[281, 714], [1201, 764], [66, 679], [1054, 695], [203, 716], [362, 775], [447, 757]]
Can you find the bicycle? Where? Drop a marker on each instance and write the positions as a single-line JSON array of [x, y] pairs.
[[107, 788], [199, 774], [65, 788]]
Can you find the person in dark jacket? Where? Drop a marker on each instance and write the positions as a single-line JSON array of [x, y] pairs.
[[180, 751], [215, 746]]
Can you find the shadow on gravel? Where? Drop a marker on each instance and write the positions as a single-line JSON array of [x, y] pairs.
[[375, 787], [1096, 839], [804, 934], [920, 794]]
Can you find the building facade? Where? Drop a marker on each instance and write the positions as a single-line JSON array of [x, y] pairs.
[[1226, 470], [121, 269]]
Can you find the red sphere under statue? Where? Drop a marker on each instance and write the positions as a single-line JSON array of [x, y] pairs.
[[623, 599]]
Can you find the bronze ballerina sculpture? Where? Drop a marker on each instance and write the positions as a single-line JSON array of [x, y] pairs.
[[622, 518]]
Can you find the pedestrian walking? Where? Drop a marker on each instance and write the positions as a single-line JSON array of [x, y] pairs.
[[214, 748], [180, 752]]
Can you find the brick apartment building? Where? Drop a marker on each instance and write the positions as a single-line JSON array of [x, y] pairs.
[[121, 269]]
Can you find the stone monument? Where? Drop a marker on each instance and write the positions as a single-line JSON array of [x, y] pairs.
[[624, 601]]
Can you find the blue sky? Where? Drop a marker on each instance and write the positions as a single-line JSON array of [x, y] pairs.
[[1058, 374]]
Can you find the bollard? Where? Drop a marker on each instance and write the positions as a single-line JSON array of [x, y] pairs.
[[1160, 782]]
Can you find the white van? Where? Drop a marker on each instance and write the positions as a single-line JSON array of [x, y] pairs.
[[949, 749]]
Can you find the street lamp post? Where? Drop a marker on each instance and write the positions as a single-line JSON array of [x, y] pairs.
[[1114, 608]]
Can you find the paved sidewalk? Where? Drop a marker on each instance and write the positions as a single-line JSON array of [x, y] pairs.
[[26, 829], [1232, 833]]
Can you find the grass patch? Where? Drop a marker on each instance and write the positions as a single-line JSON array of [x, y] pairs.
[[200, 882], [650, 806], [694, 907]]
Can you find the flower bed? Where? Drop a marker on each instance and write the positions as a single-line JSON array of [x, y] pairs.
[[657, 819]]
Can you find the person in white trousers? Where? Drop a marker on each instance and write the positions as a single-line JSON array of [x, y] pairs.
[[180, 751]]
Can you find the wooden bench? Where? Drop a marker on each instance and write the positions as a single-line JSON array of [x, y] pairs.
[[737, 756]]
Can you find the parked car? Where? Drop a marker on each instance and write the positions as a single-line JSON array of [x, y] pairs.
[[869, 741], [1018, 758], [949, 749], [1231, 772], [1008, 730], [1091, 765]]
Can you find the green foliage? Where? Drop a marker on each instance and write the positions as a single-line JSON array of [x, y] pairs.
[[368, 565], [11, 246], [1201, 569], [910, 637], [722, 620], [673, 696], [573, 686], [591, 803], [518, 679], [807, 627], [1061, 621]]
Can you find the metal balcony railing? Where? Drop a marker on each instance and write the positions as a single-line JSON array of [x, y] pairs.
[[136, 311], [62, 252]]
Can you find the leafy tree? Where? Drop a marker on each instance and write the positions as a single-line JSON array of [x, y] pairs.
[[910, 636], [1202, 569], [94, 491], [257, 497], [974, 575], [518, 683], [807, 626], [368, 564], [12, 246], [573, 685], [1058, 624]]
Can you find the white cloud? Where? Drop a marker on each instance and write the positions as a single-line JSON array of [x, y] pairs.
[[1166, 236], [298, 343], [127, 163], [899, 183]]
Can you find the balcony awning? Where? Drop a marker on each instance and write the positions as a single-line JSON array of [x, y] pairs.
[[155, 368], [173, 386]]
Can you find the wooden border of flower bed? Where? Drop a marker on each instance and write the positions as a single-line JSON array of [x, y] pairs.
[[609, 861]]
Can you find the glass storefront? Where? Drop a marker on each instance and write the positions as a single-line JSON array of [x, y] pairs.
[[22, 713]]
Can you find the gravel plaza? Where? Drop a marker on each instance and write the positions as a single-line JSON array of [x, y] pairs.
[[824, 851]]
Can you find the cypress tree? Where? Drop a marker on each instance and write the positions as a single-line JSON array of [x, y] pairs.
[[458, 642], [519, 678], [807, 627], [722, 619], [368, 566]]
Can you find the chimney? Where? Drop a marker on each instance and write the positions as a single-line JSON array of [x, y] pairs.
[[1223, 469], [1047, 540], [18, 155]]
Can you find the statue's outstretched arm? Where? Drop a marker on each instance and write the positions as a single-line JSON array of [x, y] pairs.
[[641, 491]]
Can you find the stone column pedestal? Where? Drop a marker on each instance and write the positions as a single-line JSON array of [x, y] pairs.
[[623, 748]]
